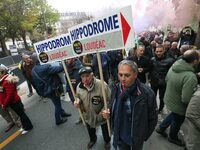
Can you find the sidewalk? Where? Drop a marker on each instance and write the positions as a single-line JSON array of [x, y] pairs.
[[23, 89]]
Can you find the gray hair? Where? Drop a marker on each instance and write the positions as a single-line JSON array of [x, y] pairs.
[[142, 46], [131, 63], [167, 43], [174, 43], [184, 48], [34, 58], [24, 56]]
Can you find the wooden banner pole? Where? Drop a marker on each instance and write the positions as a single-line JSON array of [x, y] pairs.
[[103, 89], [71, 87]]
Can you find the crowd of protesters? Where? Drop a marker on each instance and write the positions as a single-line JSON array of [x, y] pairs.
[[167, 65]]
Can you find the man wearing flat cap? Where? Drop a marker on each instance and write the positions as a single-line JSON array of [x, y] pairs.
[[90, 100]]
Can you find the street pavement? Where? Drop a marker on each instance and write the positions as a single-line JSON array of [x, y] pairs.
[[68, 136]]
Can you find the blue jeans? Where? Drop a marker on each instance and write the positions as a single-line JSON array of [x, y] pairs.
[[174, 121], [58, 108]]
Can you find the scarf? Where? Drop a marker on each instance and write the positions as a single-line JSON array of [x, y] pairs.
[[122, 97]]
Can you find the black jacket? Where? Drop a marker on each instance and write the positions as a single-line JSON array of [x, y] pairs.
[[142, 62], [144, 114], [159, 69]]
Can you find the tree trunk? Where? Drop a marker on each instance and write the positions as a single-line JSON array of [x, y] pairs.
[[4, 48], [13, 40], [23, 35]]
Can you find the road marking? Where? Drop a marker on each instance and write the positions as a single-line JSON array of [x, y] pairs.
[[9, 139]]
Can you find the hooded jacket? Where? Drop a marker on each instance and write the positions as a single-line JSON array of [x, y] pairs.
[[8, 90], [181, 82]]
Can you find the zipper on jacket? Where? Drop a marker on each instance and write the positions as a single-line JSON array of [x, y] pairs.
[[138, 100]]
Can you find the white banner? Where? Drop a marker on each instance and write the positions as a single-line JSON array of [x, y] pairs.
[[110, 32]]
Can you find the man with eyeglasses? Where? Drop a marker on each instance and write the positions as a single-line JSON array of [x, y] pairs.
[[133, 109]]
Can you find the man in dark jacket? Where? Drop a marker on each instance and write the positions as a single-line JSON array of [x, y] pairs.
[[115, 57], [142, 62], [26, 68], [47, 75], [133, 109], [174, 52], [73, 67], [105, 60], [150, 50], [160, 66]]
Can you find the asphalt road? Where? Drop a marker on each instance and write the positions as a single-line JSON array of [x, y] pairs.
[[68, 136]]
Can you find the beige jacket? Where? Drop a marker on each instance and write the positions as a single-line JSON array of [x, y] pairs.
[[92, 102], [192, 122]]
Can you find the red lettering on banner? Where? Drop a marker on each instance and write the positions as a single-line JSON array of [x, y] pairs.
[[94, 45], [58, 55]]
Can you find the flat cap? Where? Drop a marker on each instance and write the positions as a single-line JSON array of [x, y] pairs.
[[85, 70]]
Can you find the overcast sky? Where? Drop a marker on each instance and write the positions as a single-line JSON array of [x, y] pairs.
[[88, 5], [99, 8]]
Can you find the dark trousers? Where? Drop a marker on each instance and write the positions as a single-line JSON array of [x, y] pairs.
[[161, 89], [18, 108], [114, 72], [58, 107], [174, 121], [93, 136], [124, 146]]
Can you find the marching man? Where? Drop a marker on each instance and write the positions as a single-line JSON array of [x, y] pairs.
[[90, 100]]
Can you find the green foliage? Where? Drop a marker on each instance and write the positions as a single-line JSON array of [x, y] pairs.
[[48, 17], [19, 17]]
